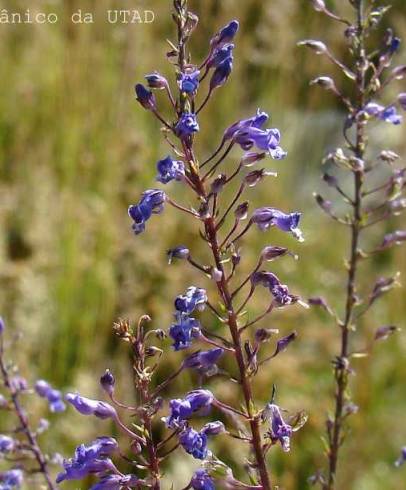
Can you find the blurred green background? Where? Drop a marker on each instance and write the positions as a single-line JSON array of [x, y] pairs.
[[76, 149]]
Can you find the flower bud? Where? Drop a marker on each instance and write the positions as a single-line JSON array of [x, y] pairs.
[[180, 252], [254, 177], [324, 82], [216, 274], [241, 211], [251, 157], [271, 253], [221, 73], [402, 100], [283, 343], [2, 325], [155, 80], [265, 334], [388, 156], [7, 444], [107, 382], [317, 46], [398, 72], [87, 406], [318, 5], [330, 180], [395, 238], [218, 183], [145, 97], [382, 333], [213, 428]]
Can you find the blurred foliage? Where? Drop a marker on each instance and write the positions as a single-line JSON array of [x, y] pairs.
[[75, 150]]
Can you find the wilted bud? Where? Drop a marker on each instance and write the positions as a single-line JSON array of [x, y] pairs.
[[270, 253], [382, 333], [250, 158], [218, 183], [235, 259], [382, 286], [265, 334], [317, 46], [319, 301], [179, 252], [350, 408], [318, 5], [191, 23], [107, 382], [155, 80], [204, 211], [324, 82], [388, 156], [145, 97], [241, 211], [254, 177]]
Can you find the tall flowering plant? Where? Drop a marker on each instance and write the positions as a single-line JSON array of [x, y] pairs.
[[369, 183], [223, 225], [20, 447]]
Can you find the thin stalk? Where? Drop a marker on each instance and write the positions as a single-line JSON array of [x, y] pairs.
[[25, 428], [341, 369]]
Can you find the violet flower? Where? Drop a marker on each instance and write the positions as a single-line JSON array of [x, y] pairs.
[[169, 169], [183, 331], [201, 480], [265, 218], [151, 202], [11, 479], [87, 406], [221, 73], [194, 442], [280, 430], [194, 299], [145, 97], [54, 397], [7, 444], [387, 114], [204, 361], [220, 55], [189, 81], [402, 458], [187, 125], [225, 35]]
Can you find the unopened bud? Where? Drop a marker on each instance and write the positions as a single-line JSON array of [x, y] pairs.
[[241, 211], [317, 46], [107, 382], [324, 82]]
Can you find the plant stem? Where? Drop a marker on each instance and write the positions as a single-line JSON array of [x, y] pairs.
[[341, 369], [32, 440]]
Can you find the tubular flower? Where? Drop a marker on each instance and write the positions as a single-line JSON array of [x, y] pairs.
[[151, 202]]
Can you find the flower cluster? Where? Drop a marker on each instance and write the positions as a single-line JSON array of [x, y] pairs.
[[222, 229]]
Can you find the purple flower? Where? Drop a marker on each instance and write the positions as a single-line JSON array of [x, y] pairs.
[[256, 121], [115, 482], [54, 397], [387, 114], [145, 97], [11, 479], [18, 383], [87, 406], [194, 443], [186, 125], [280, 430], [155, 80], [264, 139], [221, 73], [183, 331], [194, 298], [2, 325], [394, 45], [151, 202], [225, 35], [204, 361], [202, 481], [189, 81], [7, 444], [169, 169], [88, 459], [402, 458], [182, 409], [264, 218], [220, 55]]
